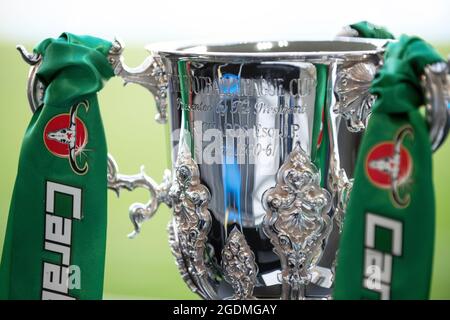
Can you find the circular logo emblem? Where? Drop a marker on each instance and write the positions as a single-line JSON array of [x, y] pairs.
[[384, 164], [60, 134]]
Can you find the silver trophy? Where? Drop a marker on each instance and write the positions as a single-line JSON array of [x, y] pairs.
[[264, 139]]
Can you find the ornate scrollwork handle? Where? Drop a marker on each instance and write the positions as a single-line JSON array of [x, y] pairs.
[[35, 88], [159, 193], [354, 102], [436, 84], [150, 74]]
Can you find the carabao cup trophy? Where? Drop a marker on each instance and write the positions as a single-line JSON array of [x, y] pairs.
[[264, 141]]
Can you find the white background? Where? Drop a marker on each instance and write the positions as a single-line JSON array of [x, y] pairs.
[[148, 21]]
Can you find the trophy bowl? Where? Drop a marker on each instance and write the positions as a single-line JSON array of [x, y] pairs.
[[264, 138]]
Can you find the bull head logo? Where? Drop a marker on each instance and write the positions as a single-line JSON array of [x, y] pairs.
[[66, 136], [389, 166]]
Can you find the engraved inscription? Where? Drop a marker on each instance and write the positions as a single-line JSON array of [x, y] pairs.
[[243, 106], [236, 95], [243, 87]]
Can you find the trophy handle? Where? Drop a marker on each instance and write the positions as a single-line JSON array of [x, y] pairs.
[[159, 193], [35, 88], [150, 75], [436, 84], [436, 90]]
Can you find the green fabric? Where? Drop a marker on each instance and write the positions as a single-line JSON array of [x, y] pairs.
[[320, 139], [73, 69], [380, 223], [185, 105], [368, 30]]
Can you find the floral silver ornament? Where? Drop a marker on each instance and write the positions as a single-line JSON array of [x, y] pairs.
[[192, 221], [238, 262], [353, 99], [297, 221]]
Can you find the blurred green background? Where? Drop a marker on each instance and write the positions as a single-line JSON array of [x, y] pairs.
[[143, 267]]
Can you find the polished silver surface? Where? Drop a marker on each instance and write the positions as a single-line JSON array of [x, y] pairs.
[[243, 122], [345, 48]]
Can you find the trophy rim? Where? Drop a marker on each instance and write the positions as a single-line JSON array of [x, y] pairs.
[[358, 48]]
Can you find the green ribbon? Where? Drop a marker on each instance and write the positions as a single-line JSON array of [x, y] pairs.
[[386, 247], [366, 29], [56, 234]]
